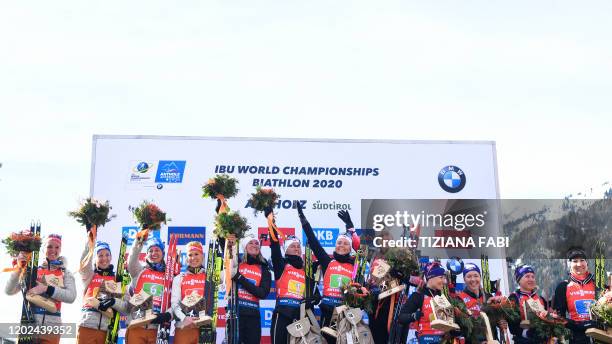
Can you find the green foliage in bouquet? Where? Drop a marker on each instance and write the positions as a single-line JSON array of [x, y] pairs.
[[402, 262], [549, 328], [231, 223], [25, 241], [149, 216], [469, 325], [221, 184], [602, 313], [502, 308], [92, 213], [263, 198], [356, 296]]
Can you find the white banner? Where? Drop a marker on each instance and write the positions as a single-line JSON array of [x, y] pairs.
[[325, 175]]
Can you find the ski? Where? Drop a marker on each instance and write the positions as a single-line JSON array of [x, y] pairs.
[[215, 301], [206, 335], [123, 277], [163, 334], [361, 259], [600, 268], [231, 327], [486, 280], [309, 292], [214, 261], [28, 281], [397, 330]]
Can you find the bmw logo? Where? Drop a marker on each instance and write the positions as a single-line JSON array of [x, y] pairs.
[[160, 186], [451, 179], [455, 265], [142, 167]]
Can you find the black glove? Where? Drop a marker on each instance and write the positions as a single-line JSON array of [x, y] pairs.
[[312, 301], [106, 304], [162, 318], [50, 291], [346, 218], [267, 211], [588, 324], [532, 334], [416, 316], [218, 206], [397, 274], [455, 333], [300, 211], [236, 276]]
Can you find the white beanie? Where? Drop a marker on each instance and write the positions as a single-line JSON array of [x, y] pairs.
[[246, 240], [290, 240], [345, 237]]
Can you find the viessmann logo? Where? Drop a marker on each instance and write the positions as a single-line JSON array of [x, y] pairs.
[[170, 171]]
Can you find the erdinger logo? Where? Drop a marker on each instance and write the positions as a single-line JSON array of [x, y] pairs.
[[451, 179]]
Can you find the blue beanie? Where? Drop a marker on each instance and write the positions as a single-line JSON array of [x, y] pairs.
[[434, 270], [155, 242], [101, 245], [522, 271], [469, 267]]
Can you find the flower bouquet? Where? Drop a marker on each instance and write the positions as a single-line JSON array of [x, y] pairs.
[[92, 214], [402, 265], [356, 296], [546, 324], [263, 198], [231, 223], [601, 311], [221, 184], [501, 308], [149, 217], [24, 241]]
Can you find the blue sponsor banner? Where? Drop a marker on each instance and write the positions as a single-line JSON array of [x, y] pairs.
[[185, 234], [170, 171], [582, 306], [326, 236], [130, 232], [266, 317]]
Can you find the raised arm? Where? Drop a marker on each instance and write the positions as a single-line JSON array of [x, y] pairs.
[[134, 267], [87, 271], [314, 244]]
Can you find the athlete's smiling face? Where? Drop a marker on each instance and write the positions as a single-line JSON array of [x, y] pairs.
[[472, 280], [155, 254], [252, 248], [436, 283], [343, 246], [194, 258], [103, 259], [53, 250], [528, 282], [579, 266], [294, 249]]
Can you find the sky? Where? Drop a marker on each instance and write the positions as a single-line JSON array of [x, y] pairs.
[[535, 77]]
